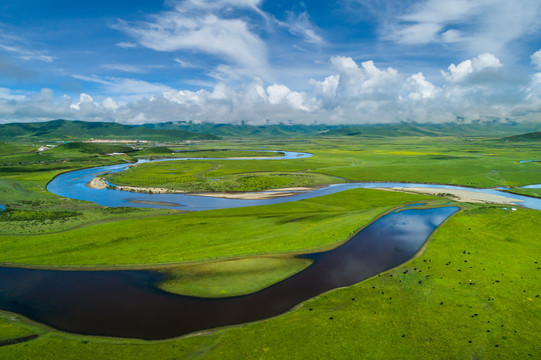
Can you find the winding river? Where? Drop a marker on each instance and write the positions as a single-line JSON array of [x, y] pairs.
[[73, 185], [127, 303]]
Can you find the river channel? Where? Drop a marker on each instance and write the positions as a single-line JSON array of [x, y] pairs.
[[73, 185], [128, 303]]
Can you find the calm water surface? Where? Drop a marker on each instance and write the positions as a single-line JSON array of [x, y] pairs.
[[73, 185], [128, 303]]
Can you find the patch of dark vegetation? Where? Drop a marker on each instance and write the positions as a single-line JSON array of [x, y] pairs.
[[91, 148], [18, 340], [533, 136], [118, 210], [28, 215]]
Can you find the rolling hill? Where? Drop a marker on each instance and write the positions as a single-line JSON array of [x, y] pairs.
[[533, 136], [66, 130], [485, 128]]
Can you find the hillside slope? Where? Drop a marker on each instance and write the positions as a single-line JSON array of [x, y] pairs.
[[533, 136], [82, 130]]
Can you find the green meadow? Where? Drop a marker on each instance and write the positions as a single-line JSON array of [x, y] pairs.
[[471, 292], [449, 160]]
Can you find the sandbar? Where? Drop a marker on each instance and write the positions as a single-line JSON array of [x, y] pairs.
[[457, 195]]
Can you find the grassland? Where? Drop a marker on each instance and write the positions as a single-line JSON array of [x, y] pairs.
[[31, 209], [528, 192], [473, 292], [429, 312], [306, 225], [456, 161], [230, 277]]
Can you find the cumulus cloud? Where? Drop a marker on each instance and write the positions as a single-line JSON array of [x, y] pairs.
[[465, 69], [109, 104], [365, 84], [354, 92], [7, 94], [419, 88]]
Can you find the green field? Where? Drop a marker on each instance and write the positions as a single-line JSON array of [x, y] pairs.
[[473, 292], [304, 226], [457, 161], [230, 277], [528, 192]]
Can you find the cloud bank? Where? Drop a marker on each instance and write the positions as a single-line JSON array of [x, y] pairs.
[[353, 93]]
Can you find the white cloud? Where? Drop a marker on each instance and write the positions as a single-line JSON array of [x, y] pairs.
[[83, 99], [110, 104], [496, 23], [216, 4], [420, 88], [366, 81], [326, 90], [185, 64], [465, 69], [25, 54], [204, 26], [7, 94], [281, 94], [126, 45], [124, 68], [300, 25], [127, 87], [536, 59], [352, 93]]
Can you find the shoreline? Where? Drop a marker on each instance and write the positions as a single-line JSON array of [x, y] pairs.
[[458, 195], [99, 183]]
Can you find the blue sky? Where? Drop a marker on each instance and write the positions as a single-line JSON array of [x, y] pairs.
[[354, 61]]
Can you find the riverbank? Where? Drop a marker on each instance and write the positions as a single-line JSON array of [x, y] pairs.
[[469, 196], [262, 195], [100, 183]]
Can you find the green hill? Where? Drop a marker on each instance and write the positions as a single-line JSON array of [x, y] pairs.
[[533, 136], [65, 130], [381, 130], [444, 129], [485, 128], [233, 130]]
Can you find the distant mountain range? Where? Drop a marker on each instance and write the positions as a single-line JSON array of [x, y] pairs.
[[65, 130], [492, 128]]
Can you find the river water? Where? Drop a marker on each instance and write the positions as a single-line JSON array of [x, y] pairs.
[[128, 303], [73, 185]]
